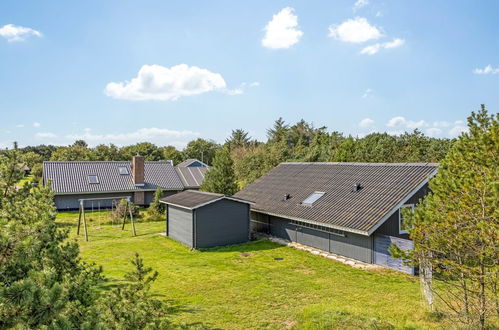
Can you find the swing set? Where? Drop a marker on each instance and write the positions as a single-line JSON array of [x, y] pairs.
[[114, 204]]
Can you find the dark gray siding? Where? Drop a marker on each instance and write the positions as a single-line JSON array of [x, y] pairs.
[[383, 257], [180, 224], [70, 202], [223, 222], [391, 225], [280, 227], [311, 237], [259, 223], [353, 246], [149, 196], [350, 245]]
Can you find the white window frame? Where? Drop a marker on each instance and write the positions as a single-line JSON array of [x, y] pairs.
[[403, 231]]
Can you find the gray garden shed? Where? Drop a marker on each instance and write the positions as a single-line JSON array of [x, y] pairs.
[[202, 220]]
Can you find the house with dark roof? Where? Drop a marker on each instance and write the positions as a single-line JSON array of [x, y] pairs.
[[138, 179], [349, 209], [201, 219], [192, 163]]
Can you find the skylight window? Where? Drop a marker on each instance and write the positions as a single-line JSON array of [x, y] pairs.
[[310, 200], [123, 170], [93, 179]]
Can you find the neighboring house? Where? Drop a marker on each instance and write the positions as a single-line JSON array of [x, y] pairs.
[[192, 163], [138, 179], [350, 209], [201, 219]]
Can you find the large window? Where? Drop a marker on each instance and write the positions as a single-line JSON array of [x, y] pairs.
[[402, 225]]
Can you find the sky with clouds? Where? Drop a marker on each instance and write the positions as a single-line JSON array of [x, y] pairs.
[[168, 72]]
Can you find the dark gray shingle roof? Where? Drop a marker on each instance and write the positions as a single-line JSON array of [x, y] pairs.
[[72, 177], [191, 198], [384, 186], [191, 176]]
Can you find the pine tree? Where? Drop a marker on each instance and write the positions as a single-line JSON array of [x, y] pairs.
[[221, 178], [456, 228]]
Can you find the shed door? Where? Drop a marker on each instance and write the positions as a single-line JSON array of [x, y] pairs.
[[383, 258]]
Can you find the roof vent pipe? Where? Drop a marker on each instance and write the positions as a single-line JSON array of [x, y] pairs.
[[286, 197], [357, 187]]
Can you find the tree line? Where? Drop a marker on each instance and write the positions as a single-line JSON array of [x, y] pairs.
[[251, 158]]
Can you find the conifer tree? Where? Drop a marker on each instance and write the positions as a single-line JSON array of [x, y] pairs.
[[456, 228], [221, 178]]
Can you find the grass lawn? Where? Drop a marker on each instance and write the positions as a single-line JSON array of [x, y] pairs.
[[243, 286]]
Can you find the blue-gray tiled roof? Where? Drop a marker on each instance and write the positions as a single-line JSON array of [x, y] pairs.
[[72, 177]]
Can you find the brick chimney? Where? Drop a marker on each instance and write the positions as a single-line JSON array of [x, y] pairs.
[[138, 170]]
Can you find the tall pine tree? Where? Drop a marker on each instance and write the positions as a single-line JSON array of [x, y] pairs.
[[221, 178], [456, 228]]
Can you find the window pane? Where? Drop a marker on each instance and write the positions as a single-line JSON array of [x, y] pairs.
[[313, 198], [123, 170], [93, 179]]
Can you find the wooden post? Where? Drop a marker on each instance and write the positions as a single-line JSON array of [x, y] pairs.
[[131, 219], [85, 225], [124, 219], [79, 220]]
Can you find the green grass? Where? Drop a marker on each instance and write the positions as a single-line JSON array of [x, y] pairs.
[[242, 286]]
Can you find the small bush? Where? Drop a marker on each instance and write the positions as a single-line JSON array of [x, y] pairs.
[[121, 210]]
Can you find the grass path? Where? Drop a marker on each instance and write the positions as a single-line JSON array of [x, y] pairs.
[[243, 286]]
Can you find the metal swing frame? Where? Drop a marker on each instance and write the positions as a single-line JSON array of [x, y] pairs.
[[82, 213]]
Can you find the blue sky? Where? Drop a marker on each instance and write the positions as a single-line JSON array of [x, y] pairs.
[[168, 72]]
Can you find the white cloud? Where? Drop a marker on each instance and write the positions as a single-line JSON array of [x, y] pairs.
[[282, 31], [487, 70], [433, 131], [20, 126], [161, 136], [366, 122], [156, 82], [242, 88], [360, 3], [458, 128], [367, 93], [442, 123], [373, 49], [35, 124], [379, 14], [355, 30], [45, 135], [395, 121], [401, 122], [17, 33]]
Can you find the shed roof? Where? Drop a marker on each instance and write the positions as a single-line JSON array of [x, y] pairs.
[[384, 186], [72, 177], [192, 199]]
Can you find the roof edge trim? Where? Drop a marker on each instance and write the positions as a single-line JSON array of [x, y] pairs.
[[404, 200]]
